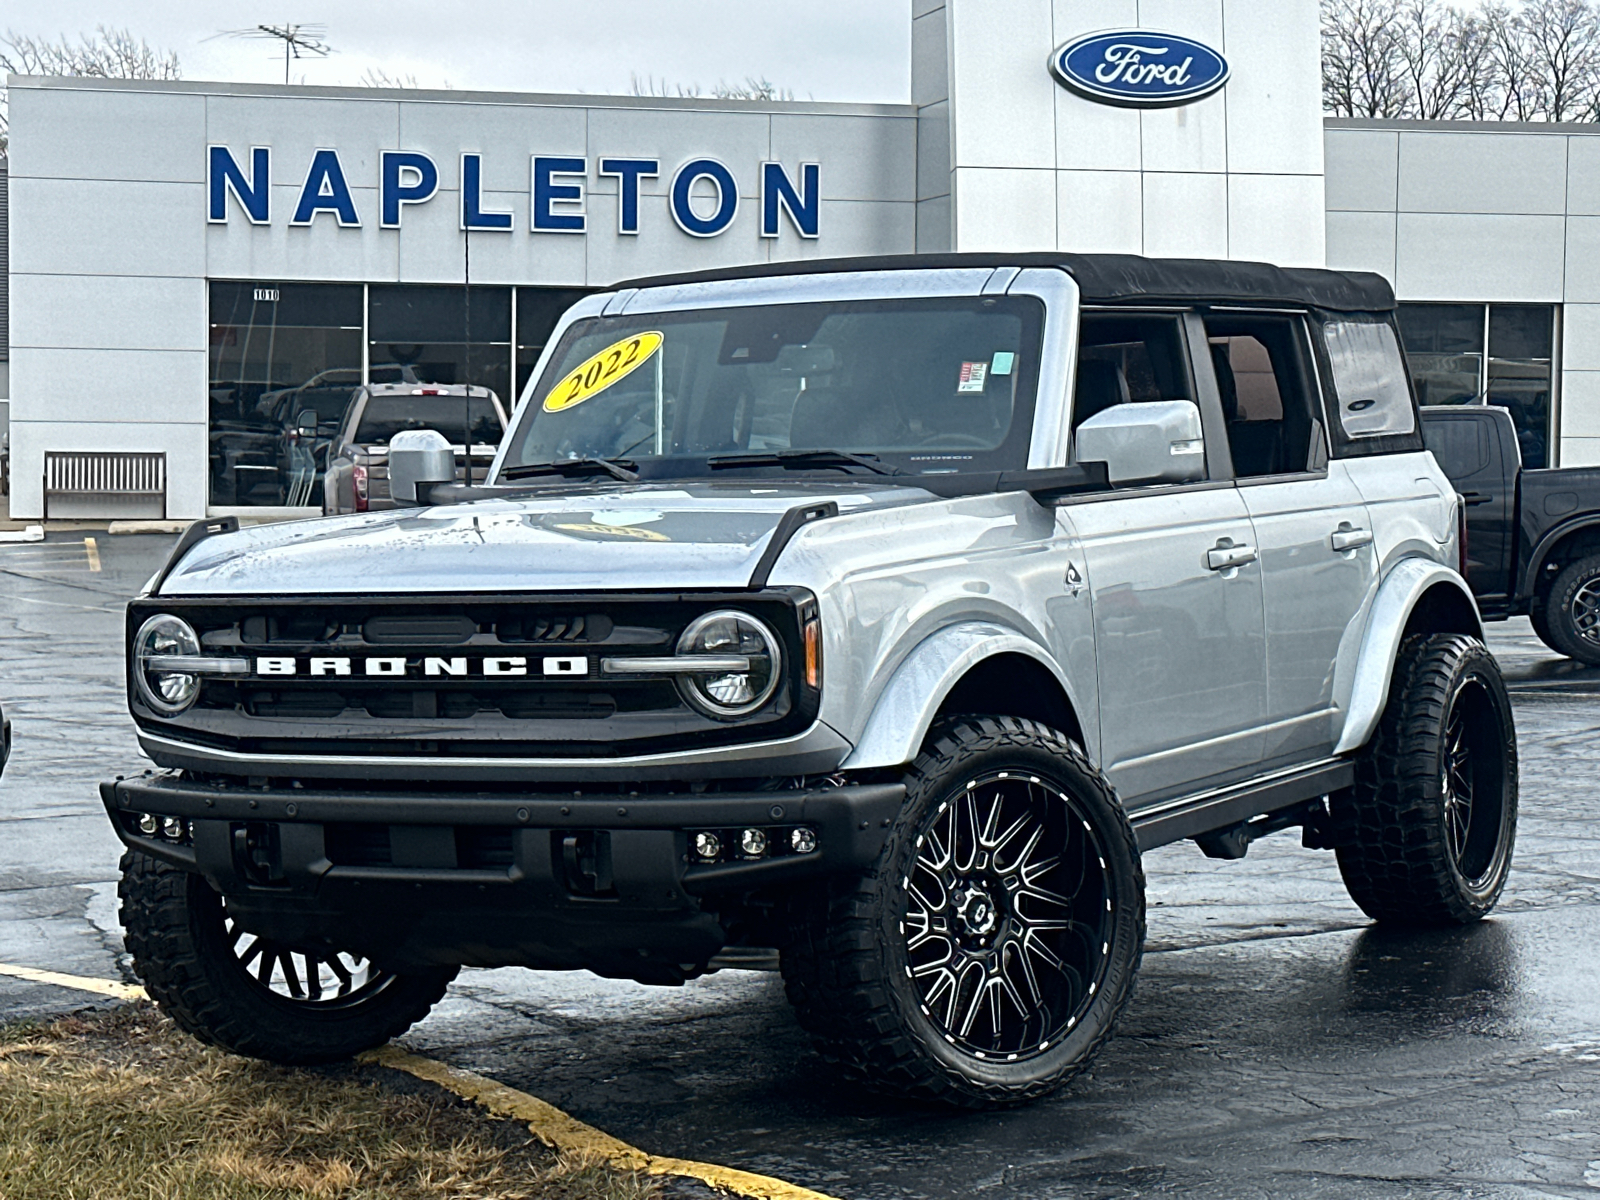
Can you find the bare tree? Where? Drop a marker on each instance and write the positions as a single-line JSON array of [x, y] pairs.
[[106, 54], [1562, 41], [751, 89], [1362, 67], [1443, 54]]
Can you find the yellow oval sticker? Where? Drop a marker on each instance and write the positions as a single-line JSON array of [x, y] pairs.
[[594, 375]]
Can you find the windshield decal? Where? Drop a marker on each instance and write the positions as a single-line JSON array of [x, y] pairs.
[[594, 375]]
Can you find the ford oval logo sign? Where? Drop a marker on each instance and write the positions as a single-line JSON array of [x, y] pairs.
[[1139, 68]]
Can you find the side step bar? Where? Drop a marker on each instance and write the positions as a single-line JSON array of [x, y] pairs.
[[1219, 808]]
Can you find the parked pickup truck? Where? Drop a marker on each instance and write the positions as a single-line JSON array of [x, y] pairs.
[[868, 618], [1533, 537]]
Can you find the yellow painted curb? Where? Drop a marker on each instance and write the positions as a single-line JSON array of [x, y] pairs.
[[563, 1132], [83, 983]]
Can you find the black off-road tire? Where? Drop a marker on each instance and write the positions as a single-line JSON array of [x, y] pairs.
[[1571, 615], [1537, 618], [1409, 853], [847, 963], [175, 927]]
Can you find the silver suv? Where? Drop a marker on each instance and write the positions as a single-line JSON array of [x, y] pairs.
[[865, 619]]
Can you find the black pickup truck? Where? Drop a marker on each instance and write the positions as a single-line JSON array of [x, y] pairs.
[[1533, 537]]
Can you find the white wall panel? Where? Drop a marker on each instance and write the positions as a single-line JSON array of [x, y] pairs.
[[1099, 212], [1580, 451], [132, 386], [1266, 219], [1445, 256], [1583, 259], [863, 158], [431, 249], [1482, 173], [119, 312], [1004, 98], [1362, 169], [67, 227], [322, 250], [506, 137], [930, 76], [297, 128], [1275, 91], [1362, 241], [162, 136], [933, 151], [1185, 216], [1580, 406], [854, 227], [1583, 173], [933, 225], [741, 140], [1580, 336], [1192, 137], [1000, 209], [662, 248], [1096, 137], [185, 446]]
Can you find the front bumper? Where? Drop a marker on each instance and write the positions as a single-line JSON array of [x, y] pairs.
[[602, 881]]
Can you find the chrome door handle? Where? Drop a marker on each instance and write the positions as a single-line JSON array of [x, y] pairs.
[[1346, 538], [1225, 556]]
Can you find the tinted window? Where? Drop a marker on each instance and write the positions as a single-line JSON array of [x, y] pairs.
[[1369, 378], [385, 416], [1267, 397], [1462, 447], [1129, 360]]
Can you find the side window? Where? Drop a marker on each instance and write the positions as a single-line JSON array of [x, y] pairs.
[[1369, 378], [1462, 447], [1268, 400], [1129, 358]]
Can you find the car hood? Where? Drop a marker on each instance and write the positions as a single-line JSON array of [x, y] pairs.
[[627, 536]]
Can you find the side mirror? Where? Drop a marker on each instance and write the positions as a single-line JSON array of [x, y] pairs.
[[418, 459], [1156, 442], [307, 420]]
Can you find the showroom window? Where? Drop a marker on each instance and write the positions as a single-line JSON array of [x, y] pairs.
[[275, 349], [1488, 353], [280, 352]]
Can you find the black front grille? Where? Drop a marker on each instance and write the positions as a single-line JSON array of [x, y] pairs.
[[585, 713]]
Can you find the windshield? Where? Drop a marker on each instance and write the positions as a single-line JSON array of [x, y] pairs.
[[923, 385], [385, 416]]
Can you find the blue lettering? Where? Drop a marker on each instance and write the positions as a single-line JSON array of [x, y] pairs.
[[628, 172], [325, 188], [396, 191], [546, 193], [804, 206], [727, 197], [223, 176], [473, 215]]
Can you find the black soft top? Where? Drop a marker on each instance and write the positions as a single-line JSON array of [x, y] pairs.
[[1113, 278]]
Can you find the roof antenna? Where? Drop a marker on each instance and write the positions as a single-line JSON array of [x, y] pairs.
[[299, 41]]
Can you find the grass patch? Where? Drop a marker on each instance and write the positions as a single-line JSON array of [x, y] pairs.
[[122, 1105]]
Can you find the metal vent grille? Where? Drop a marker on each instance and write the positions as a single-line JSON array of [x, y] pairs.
[[105, 473]]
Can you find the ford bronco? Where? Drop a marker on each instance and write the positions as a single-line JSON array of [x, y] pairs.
[[865, 618]]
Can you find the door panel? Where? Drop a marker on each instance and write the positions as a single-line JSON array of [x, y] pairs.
[[1317, 570], [1178, 638], [1469, 452]]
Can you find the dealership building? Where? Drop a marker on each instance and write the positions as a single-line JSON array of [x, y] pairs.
[[189, 262]]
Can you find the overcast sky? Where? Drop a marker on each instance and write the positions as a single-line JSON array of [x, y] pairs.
[[823, 49]]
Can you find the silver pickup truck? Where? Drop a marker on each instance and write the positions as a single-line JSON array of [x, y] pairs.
[[864, 618]]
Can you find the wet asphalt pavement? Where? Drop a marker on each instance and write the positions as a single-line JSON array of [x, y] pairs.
[[1278, 1045]]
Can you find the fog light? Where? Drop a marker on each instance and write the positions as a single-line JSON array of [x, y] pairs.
[[148, 824], [172, 828], [803, 840], [752, 843], [708, 846]]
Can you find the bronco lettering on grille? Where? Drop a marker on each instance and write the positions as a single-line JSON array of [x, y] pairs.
[[398, 666]]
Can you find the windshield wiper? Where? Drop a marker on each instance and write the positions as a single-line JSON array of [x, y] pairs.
[[802, 458], [622, 469]]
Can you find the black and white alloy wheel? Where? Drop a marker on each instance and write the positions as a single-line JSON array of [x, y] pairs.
[[254, 995], [1008, 917], [985, 958], [327, 979]]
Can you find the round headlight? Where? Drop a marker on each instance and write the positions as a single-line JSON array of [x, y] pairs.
[[731, 694], [161, 638]]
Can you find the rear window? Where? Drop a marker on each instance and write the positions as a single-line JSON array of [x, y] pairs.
[[385, 416], [1369, 378], [1462, 447]]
